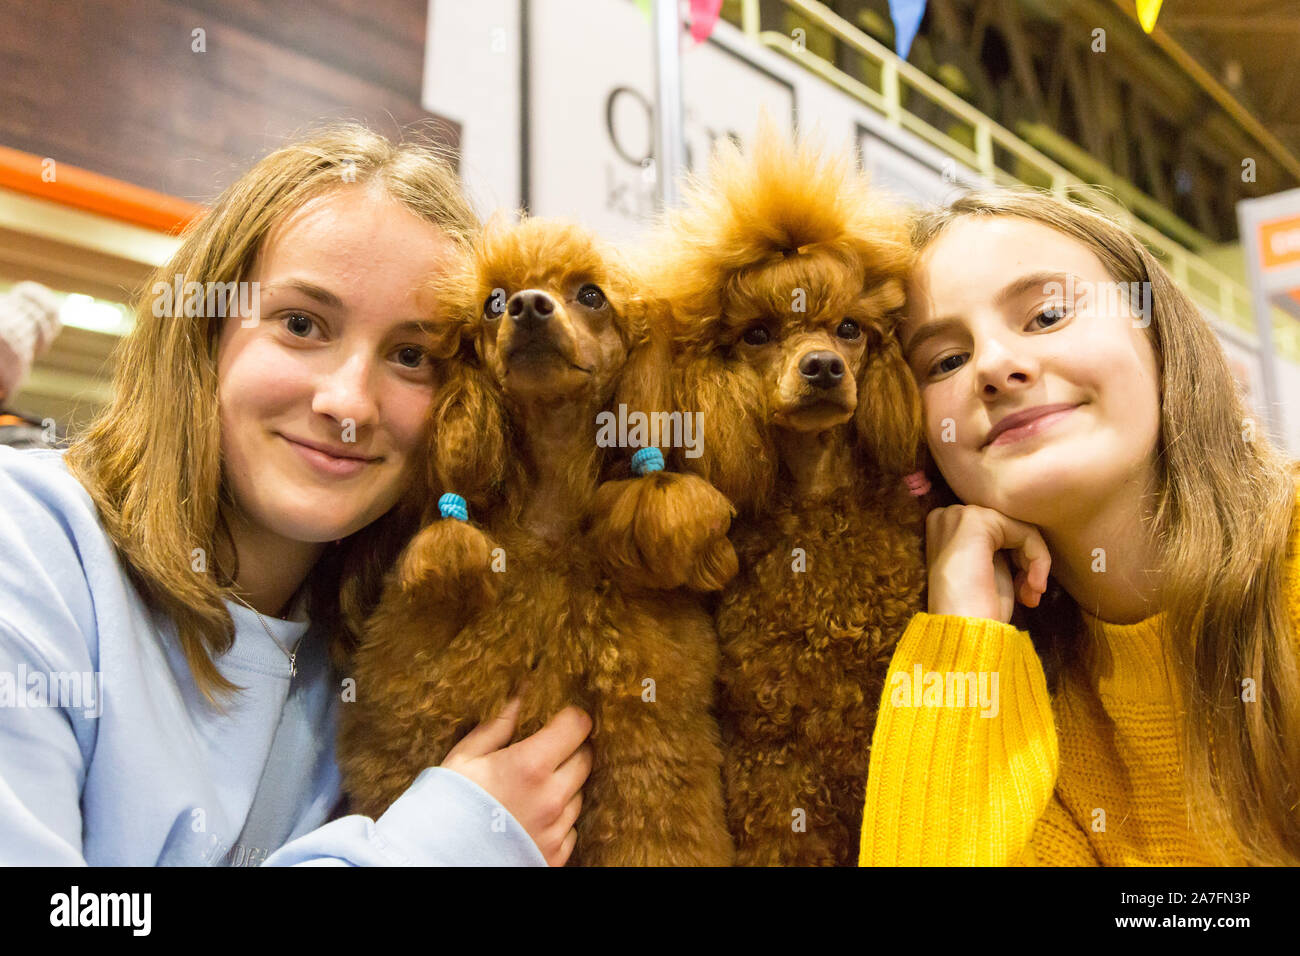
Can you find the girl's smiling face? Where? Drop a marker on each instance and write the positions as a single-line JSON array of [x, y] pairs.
[[335, 360], [1007, 315]]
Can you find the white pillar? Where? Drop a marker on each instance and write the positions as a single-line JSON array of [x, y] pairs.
[[670, 141]]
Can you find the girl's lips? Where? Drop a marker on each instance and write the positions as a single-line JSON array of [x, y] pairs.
[[1033, 427], [328, 464]]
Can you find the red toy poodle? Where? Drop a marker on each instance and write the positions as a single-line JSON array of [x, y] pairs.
[[583, 588], [785, 278]]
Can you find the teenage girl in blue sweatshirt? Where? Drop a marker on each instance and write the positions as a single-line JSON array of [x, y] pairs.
[[180, 588]]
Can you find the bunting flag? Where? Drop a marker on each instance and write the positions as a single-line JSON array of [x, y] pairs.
[[704, 15], [1148, 10], [907, 16]]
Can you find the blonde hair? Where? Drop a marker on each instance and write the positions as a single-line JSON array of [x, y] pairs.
[[1223, 514], [151, 459]]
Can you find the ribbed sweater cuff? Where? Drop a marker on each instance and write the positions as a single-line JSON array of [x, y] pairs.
[[965, 763]]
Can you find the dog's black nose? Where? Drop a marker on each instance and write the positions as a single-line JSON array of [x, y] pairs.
[[530, 307], [822, 369]]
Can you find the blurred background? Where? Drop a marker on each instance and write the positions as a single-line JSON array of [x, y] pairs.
[[122, 118]]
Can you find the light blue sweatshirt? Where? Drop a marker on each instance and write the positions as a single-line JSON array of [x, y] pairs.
[[109, 755]]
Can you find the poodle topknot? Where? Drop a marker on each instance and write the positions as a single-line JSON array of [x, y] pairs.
[[767, 222]]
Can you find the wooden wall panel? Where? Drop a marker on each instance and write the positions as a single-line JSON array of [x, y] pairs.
[[114, 85]]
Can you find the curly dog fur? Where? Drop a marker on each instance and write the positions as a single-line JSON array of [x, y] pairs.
[[784, 274], [572, 577]]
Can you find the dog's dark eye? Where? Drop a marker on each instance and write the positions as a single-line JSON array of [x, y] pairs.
[[848, 329], [757, 336], [494, 306], [591, 296]]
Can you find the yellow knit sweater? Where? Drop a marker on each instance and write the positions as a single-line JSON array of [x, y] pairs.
[[1091, 777]]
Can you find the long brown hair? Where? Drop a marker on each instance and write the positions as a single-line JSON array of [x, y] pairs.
[[151, 459], [1224, 507]]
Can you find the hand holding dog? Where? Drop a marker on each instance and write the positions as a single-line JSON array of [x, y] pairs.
[[968, 576], [539, 779]]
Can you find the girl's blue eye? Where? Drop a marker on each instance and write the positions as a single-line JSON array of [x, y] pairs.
[[943, 366], [299, 325], [1055, 313], [410, 351]]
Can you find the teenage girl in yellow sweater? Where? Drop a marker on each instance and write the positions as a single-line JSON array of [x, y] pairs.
[[1142, 705]]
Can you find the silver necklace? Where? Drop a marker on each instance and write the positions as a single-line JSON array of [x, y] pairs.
[[293, 666]]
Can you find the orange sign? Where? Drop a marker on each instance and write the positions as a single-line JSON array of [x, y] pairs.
[[1279, 242], [84, 189]]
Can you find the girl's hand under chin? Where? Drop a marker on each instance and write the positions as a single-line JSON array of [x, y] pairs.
[[969, 576]]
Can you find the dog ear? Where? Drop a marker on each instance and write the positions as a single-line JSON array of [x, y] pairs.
[[888, 418], [733, 451], [663, 531], [644, 384], [470, 442], [447, 564]]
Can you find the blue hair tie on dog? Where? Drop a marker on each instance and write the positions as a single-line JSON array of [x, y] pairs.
[[453, 506], [647, 460]]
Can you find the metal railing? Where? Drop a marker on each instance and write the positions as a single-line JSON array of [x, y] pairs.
[[886, 92]]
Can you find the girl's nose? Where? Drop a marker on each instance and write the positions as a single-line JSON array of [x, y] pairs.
[[345, 393], [999, 368]]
